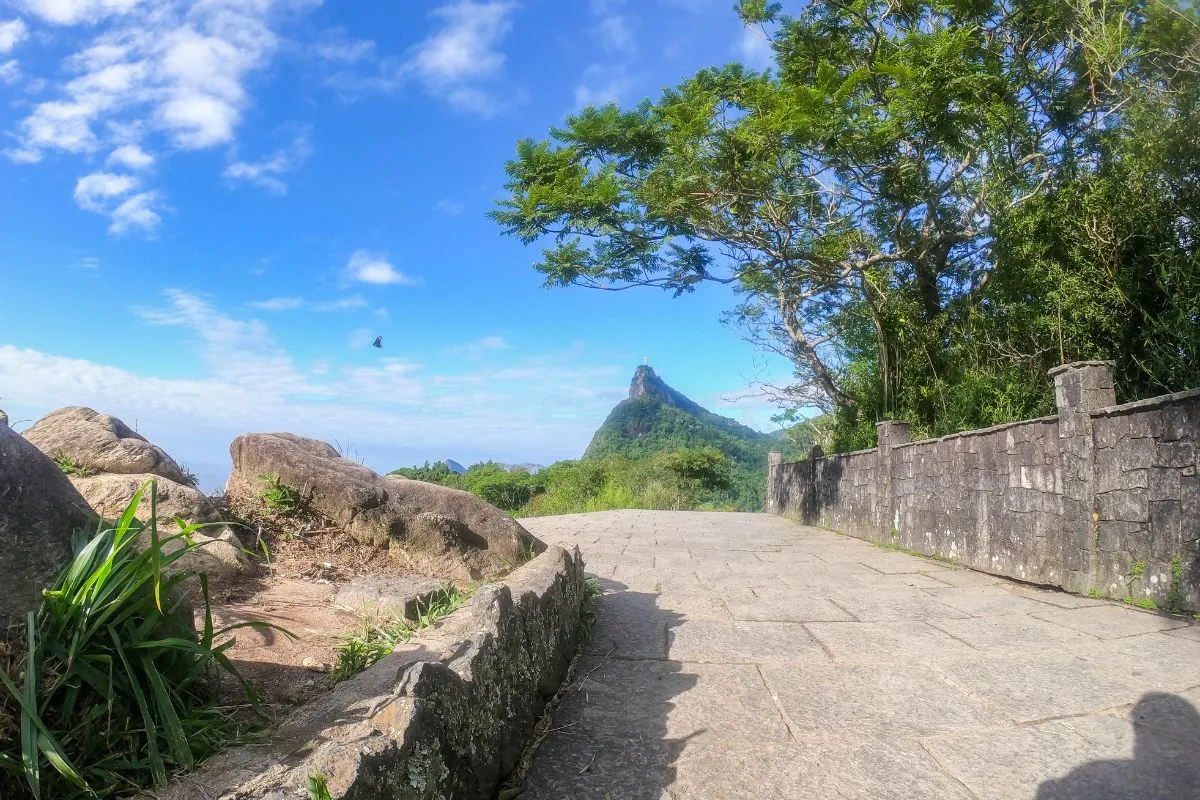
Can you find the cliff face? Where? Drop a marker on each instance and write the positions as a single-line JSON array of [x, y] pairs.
[[646, 383]]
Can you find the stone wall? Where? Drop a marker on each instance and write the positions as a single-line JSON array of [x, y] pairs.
[[447, 715], [1100, 497]]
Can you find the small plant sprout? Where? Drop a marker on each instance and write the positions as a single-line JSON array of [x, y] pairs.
[[73, 467]]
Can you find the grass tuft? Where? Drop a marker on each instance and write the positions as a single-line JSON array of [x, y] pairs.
[[73, 467], [113, 690], [376, 639], [277, 497]]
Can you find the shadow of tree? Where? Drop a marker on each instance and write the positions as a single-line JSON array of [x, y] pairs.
[[610, 737], [1165, 763]]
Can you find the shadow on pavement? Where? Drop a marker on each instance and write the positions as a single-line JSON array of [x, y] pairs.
[[609, 740], [1165, 763]]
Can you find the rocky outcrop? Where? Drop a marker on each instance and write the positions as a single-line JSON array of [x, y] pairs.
[[385, 595], [39, 511], [102, 442], [3, 419], [646, 383], [429, 529], [446, 715], [109, 494]]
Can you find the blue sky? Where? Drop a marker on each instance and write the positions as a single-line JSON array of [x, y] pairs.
[[213, 207]]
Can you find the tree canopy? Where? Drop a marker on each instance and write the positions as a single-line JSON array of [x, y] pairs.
[[923, 205]]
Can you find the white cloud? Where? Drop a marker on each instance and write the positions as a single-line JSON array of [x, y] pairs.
[[346, 51], [71, 12], [342, 304], [10, 72], [480, 347], [466, 46], [136, 212], [290, 303], [754, 48], [459, 63], [600, 85], [94, 192], [278, 303], [101, 193], [130, 156], [178, 68], [12, 33], [368, 267], [613, 29], [451, 207], [265, 173], [397, 410]]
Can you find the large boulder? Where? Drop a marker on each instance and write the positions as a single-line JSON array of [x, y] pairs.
[[102, 442], [39, 511], [109, 494], [221, 554], [428, 528]]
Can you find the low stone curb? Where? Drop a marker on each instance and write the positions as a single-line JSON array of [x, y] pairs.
[[446, 715]]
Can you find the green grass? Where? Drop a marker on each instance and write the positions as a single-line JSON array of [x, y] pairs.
[[375, 639], [189, 478], [317, 790], [73, 467], [1095, 594], [1142, 602], [277, 497], [114, 691]]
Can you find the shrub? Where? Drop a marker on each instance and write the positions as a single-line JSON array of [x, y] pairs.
[[114, 689]]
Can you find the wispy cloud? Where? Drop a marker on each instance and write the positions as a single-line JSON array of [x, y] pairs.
[[366, 266], [754, 48], [480, 347], [277, 303], [613, 30], [451, 207], [113, 195], [460, 63], [267, 171], [350, 303], [12, 33], [397, 409], [602, 84], [336, 47]]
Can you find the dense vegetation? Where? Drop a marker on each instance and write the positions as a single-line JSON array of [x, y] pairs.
[[687, 478], [924, 205], [643, 427], [109, 689]]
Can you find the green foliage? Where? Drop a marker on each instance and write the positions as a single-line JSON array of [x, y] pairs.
[[277, 497], [1173, 594], [189, 478], [377, 638], [1095, 594], [505, 488], [924, 206], [1142, 602], [71, 466], [114, 691], [317, 790]]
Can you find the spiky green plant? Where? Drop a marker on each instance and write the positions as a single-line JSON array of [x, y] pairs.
[[73, 466], [277, 496], [115, 690]]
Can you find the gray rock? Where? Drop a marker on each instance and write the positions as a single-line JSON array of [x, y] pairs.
[[430, 529], [109, 494], [101, 441], [39, 511], [389, 595], [447, 715], [3, 419]]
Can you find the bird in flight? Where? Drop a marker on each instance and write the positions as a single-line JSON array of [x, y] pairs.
[[378, 342]]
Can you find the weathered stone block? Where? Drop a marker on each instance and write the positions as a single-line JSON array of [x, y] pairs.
[[1128, 505], [1175, 454]]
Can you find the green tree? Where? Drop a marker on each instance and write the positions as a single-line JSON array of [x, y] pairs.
[[860, 194]]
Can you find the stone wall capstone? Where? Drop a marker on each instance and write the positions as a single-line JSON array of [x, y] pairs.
[[1099, 497], [446, 715]]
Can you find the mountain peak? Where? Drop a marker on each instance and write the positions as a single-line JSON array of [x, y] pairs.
[[646, 383]]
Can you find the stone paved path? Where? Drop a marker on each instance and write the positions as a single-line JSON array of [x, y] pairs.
[[744, 656]]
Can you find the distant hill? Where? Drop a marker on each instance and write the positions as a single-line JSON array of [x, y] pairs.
[[656, 418]]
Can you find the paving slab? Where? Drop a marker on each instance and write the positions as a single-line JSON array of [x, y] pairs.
[[745, 656]]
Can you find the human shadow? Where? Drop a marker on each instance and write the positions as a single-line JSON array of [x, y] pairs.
[[609, 738], [1165, 763]]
